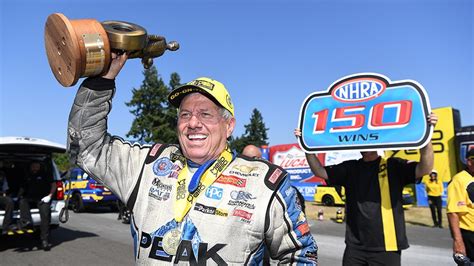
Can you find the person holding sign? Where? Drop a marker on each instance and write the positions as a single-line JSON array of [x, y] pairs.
[[434, 189], [375, 223], [460, 210], [194, 203]]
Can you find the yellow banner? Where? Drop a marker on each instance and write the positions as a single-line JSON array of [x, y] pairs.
[[444, 145]]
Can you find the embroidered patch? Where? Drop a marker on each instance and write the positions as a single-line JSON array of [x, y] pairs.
[[162, 167]]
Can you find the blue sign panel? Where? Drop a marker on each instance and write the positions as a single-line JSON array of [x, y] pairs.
[[365, 112]]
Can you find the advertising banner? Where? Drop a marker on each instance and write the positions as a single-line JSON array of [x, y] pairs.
[[291, 158], [465, 142], [444, 146], [365, 111]]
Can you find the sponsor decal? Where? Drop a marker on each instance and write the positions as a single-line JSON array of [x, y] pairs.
[[175, 171], [242, 214], [154, 149], [204, 209], [203, 84], [241, 195], [231, 180], [274, 177], [178, 157], [160, 191], [238, 203], [366, 111], [210, 210], [162, 166], [218, 166], [303, 228], [245, 169], [185, 253], [214, 192]]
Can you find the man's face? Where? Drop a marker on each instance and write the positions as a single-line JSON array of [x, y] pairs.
[[202, 131], [35, 168]]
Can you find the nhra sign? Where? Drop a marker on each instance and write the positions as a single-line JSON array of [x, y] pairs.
[[291, 158], [365, 111]]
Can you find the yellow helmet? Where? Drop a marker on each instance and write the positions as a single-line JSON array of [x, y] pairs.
[[210, 88]]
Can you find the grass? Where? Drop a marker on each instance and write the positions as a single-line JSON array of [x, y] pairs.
[[420, 216]]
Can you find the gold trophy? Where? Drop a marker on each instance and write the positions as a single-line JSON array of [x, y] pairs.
[[82, 48]]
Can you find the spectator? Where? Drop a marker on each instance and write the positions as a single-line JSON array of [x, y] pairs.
[[434, 189], [375, 222], [37, 190], [460, 209]]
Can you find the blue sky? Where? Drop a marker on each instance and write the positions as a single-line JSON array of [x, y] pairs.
[[269, 54]]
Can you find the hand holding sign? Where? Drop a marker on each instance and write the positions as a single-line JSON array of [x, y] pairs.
[[365, 112]]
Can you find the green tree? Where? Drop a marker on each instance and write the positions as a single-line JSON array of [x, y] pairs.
[[155, 120], [255, 133], [62, 161]]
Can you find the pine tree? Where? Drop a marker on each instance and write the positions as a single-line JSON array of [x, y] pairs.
[[255, 133], [154, 120]]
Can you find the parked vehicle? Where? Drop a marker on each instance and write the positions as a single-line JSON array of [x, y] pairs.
[[85, 192], [16, 154], [330, 195]]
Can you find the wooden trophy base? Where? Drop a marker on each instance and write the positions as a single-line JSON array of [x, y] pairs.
[[76, 48]]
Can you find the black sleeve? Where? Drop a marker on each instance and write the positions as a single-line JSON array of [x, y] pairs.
[[337, 174], [403, 169]]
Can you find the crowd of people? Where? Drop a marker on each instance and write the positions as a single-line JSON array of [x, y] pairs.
[[198, 201]]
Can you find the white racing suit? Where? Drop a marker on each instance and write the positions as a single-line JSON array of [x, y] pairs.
[[250, 207]]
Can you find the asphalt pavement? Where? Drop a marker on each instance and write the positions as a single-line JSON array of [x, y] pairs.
[[99, 239]]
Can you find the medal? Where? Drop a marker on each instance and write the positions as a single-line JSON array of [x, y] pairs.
[[171, 241]]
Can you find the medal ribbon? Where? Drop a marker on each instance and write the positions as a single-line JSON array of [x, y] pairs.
[[199, 182]]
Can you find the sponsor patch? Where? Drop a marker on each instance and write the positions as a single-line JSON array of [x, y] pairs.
[[175, 169], [210, 210], [274, 177], [160, 191], [241, 195], [242, 214], [162, 166], [154, 149], [231, 180], [461, 203], [214, 192], [303, 228]]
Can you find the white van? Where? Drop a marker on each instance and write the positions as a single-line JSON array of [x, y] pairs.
[[16, 154]]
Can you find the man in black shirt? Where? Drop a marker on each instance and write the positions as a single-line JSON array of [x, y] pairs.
[[37, 190], [375, 228]]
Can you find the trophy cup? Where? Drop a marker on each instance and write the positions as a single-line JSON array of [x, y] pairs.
[[82, 48]]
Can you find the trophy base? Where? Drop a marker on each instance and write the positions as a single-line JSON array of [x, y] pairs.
[[76, 48]]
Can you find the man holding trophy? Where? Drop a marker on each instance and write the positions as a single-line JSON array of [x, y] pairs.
[[196, 202]]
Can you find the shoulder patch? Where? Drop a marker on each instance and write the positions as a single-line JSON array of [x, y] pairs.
[[155, 152], [274, 177]]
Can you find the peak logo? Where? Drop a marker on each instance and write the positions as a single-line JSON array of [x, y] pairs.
[[358, 90]]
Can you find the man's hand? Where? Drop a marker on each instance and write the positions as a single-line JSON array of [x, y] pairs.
[[118, 61], [297, 132], [46, 199], [432, 119]]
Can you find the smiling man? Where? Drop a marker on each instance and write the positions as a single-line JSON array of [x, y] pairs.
[[194, 203]]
